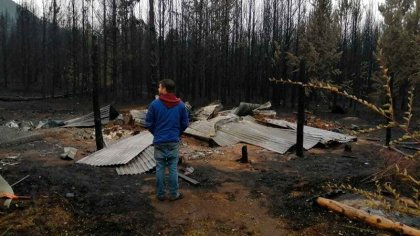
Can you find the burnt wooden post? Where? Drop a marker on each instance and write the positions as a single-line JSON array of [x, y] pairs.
[[244, 158], [95, 96], [301, 111], [388, 130]]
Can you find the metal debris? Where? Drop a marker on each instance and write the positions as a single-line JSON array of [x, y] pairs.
[[208, 112], [139, 116], [69, 153], [229, 130], [325, 136], [140, 164], [119, 120], [245, 109], [206, 129], [6, 188], [107, 113], [12, 124], [265, 113], [49, 124], [273, 139], [120, 152]]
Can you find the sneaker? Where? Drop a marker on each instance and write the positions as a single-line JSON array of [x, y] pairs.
[[180, 196]]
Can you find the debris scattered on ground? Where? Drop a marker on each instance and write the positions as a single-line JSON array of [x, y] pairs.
[[69, 153], [121, 152], [83, 134], [208, 112], [259, 114], [139, 116], [27, 125], [19, 181], [188, 179], [119, 120], [185, 168], [10, 160], [107, 113], [324, 135], [354, 127], [5, 188], [46, 124], [12, 124], [142, 163], [24, 125], [245, 109], [116, 132], [13, 157]]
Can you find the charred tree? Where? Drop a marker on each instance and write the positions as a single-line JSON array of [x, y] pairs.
[[301, 111], [95, 95]]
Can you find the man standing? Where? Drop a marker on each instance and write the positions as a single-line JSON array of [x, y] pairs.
[[166, 119]]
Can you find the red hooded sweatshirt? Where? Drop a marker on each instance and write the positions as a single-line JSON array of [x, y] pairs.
[[170, 100]]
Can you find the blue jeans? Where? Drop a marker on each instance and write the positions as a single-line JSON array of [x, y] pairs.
[[166, 155]]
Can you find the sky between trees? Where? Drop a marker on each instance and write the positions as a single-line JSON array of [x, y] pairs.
[[145, 7]]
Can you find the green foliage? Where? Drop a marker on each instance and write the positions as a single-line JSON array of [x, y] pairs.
[[321, 42], [401, 41], [408, 204]]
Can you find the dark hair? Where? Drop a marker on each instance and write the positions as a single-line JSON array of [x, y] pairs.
[[168, 84]]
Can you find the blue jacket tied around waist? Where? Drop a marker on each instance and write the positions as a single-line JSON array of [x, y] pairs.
[[166, 124]]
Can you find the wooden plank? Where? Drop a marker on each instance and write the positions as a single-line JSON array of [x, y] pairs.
[[188, 179], [410, 147], [399, 151]]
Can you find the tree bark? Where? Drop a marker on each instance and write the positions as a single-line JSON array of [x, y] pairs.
[[374, 220], [301, 111], [95, 96]]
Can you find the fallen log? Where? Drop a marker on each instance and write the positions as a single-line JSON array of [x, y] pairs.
[[374, 220]]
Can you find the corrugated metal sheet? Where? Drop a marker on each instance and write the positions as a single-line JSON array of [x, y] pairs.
[[228, 130], [309, 141], [208, 112], [245, 108], [325, 136], [223, 139], [205, 128], [121, 152], [107, 113], [273, 139], [5, 188], [139, 116], [141, 164]]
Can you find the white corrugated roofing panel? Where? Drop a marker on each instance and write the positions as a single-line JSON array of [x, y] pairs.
[[120, 152], [140, 164]]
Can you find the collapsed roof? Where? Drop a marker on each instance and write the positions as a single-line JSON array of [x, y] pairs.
[[134, 155]]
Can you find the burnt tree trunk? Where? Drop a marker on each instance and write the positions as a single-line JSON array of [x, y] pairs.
[[301, 111], [95, 96]]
